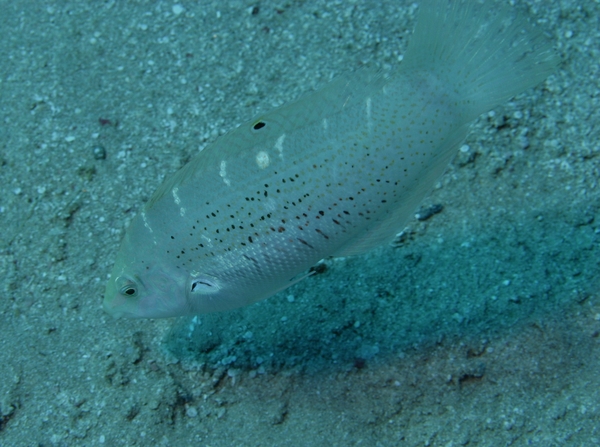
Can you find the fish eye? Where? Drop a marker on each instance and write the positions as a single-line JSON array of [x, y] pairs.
[[129, 290], [127, 287]]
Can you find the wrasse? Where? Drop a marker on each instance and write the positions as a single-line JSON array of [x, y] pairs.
[[335, 173]]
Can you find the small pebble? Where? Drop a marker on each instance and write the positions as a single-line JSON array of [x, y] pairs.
[[426, 213], [191, 412], [99, 153]]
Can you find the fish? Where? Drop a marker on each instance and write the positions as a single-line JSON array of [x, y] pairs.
[[335, 173]]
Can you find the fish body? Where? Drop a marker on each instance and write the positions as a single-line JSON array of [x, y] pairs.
[[335, 173]]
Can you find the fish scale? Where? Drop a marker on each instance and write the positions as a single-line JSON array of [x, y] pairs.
[[333, 174]]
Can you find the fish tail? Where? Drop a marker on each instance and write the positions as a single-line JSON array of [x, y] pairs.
[[485, 52]]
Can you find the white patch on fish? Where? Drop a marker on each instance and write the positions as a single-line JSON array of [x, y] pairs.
[[263, 160], [177, 200], [279, 145], [223, 172], [146, 223]]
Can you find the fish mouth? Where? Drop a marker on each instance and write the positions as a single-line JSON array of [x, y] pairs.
[[110, 307]]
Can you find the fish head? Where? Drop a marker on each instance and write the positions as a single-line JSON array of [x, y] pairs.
[[141, 286]]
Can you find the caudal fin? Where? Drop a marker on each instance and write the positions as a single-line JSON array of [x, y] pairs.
[[487, 53]]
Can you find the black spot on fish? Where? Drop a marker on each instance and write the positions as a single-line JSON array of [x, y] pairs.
[[322, 234], [302, 241], [250, 258]]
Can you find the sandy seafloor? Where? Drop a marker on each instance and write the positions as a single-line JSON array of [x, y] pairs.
[[480, 327]]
